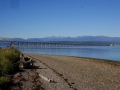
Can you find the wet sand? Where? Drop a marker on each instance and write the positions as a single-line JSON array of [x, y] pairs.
[[78, 73]]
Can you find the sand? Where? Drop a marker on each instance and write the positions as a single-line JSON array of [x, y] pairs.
[[77, 73]]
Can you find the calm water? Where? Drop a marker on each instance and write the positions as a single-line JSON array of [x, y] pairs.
[[103, 52]]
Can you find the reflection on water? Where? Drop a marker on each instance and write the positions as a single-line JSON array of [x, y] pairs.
[[103, 52]]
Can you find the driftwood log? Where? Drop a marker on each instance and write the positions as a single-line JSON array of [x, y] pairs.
[[25, 62], [45, 78]]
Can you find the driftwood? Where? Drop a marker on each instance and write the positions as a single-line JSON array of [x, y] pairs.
[[24, 62], [46, 79]]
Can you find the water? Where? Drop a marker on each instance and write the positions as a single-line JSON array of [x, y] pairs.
[[102, 52]]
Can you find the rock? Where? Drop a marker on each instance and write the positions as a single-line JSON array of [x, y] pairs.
[[17, 75]]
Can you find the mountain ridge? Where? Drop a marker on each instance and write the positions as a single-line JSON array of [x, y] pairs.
[[78, 38]]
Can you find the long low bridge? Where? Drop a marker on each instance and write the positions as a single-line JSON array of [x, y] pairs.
[[58, 43]]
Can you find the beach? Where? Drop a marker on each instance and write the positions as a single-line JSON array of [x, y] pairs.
[[77, 73]]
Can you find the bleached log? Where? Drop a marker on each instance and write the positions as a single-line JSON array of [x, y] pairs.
[[46, 79]]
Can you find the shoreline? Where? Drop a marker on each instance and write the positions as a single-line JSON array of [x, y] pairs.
[[95, 59], [80, 72]]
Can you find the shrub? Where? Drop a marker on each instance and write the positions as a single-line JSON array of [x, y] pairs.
[[5, 65], [12, 54], [3, 81], [7, 57]]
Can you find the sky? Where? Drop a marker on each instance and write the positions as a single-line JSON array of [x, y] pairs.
[[43, 18]]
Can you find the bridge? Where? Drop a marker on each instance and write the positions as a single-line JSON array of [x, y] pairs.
[[58, 43]]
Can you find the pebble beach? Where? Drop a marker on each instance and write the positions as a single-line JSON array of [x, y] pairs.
[[77, 73]]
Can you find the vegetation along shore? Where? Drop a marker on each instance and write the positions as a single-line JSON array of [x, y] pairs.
[[12, 76], [52, 72], [7, 58]]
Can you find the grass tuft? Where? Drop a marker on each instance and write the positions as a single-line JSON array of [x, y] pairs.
[[3, 81], [7, 58]]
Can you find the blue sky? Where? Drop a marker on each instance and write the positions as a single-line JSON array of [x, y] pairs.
[[42, 18]]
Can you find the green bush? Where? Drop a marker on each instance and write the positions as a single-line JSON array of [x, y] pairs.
[[5, 66], [7, 57], [12, 54], [3, 81]]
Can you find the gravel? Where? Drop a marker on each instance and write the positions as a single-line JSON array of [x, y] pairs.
[[73, 73]]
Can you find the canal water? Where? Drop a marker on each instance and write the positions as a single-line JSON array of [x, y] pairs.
[[102, 52]]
